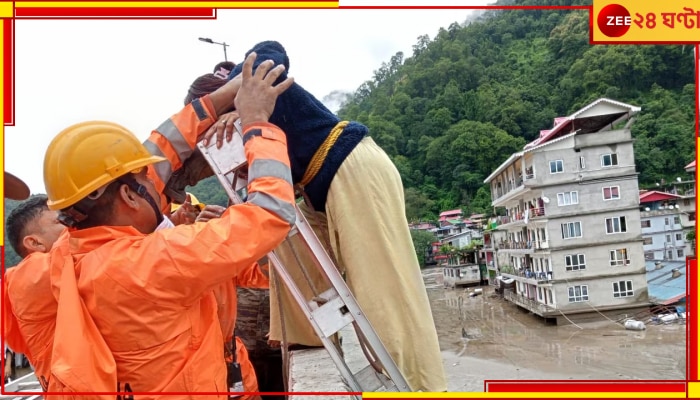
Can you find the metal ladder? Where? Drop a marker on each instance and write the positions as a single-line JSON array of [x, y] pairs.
[[329, 311]]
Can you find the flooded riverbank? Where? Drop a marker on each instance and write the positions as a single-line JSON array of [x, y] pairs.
[[486, 337]]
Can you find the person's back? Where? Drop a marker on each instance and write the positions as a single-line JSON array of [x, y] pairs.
[[32, 300], [32, 230], [153, 320]]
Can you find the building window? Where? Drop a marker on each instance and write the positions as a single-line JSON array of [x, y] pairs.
[[691, 216], [619, 257], [608, 160], [616, 225], [669, 255], [667, 221], [567, 198], [686, 202], [578, 294], [539, 293], [611, 193], [582, 162], [677, 220], [648, 240], [575, 262], [646, 223], [571, 230], [668, 238], [680, 253], [623, 289], [648, 255], [679, 236], [556, 166]]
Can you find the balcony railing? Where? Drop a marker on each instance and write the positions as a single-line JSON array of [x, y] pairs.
[[512, 244], [539, 276], [523, 245], [520, 216], [527, 302], [541, 244]]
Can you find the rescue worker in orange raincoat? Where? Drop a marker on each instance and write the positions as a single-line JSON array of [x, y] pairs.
[[29, 305], [142, 303]]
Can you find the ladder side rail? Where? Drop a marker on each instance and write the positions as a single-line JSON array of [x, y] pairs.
[[337, 281]]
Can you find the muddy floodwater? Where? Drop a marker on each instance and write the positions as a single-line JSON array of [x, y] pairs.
[[486, 337]]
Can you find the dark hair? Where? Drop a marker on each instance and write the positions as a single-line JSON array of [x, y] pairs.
[[100, 212], [228, 65], [203, 85], [19, 218]]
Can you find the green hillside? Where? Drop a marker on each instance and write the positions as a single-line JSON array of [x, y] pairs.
[[457, 107]]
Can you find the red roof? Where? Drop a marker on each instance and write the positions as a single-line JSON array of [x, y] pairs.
[[690, 166], [655, 195], [451, 212]]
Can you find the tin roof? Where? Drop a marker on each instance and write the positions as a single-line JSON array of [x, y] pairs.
[[663, 287]]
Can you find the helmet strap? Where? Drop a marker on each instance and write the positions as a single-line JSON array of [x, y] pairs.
[[141, 191], [71, 216]]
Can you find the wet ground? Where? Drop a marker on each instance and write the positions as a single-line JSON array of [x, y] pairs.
[[486, 337]]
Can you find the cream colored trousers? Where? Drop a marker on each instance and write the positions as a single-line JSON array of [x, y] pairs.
[[365, 224]]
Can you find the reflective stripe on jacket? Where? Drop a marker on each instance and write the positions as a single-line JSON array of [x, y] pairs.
[[175, 139]]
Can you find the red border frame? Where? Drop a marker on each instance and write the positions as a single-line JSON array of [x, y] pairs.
[[572, 386]]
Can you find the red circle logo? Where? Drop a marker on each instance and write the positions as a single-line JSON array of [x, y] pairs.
[[614, 20]]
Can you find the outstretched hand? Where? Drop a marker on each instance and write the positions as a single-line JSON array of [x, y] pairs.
[[224, 126], [256, 97]]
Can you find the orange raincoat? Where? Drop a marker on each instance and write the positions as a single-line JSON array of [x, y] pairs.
[[29, 306], [70, 367]]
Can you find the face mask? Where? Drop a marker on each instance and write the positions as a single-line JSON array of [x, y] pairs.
[[165, 224]]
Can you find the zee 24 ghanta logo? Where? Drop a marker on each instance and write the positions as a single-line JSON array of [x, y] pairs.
[[614, 20]]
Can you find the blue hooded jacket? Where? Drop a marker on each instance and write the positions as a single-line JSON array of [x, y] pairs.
[[307, 123]]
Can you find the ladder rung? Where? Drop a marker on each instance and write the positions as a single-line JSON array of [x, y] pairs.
[[332, 316], [371, 381]]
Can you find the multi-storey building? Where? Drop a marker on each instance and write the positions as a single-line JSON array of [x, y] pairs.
[[573, 233], [666, 220]]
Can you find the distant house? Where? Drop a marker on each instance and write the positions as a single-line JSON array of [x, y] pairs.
[[445, 216], [462, 239], [666, 218], [422, 226], [667, 282], [690, 167], [476, 220], [492, 236]]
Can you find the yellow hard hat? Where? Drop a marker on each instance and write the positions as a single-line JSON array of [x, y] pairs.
[[193, 201], [86, 156]]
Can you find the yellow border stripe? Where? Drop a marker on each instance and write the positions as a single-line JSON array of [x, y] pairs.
[[184, 4], [6, 9], [693, 389], [2, 128], [527, 395]]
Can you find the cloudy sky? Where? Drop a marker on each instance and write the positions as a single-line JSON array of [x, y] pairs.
[[137, 72]]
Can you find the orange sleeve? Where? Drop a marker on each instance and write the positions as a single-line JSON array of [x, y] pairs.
[[175, 139], [257, 277], [13, 337], [181, 263]]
